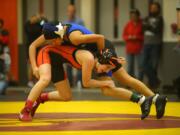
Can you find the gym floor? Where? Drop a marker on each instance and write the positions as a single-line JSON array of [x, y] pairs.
[[89, 113]]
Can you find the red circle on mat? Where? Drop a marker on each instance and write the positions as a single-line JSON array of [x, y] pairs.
[[85, 121]]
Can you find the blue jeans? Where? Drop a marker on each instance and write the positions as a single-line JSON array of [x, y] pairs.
[[150, 60], [3, 86], [132, 58]]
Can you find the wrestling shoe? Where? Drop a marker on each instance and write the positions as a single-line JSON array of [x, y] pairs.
[[25, 115], [146, 107], [35, 106], [41, 99], [160, 106]]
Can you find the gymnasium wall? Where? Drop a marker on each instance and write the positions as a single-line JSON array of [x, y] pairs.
[[106, 12]]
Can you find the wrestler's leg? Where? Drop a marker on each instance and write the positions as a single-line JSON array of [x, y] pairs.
[[43, 82], [63, 92], [159, 101], [122, 93], [62, 86], [122, 76], [45, 78]]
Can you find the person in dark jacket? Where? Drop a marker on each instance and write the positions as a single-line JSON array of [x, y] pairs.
[[153, 33]]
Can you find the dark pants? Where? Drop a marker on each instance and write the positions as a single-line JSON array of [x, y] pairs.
[[132, 59], [150, 61], [3, 86]]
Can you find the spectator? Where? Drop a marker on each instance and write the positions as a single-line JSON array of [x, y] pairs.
[[133, 36], [33, 29], [153, 33], [4, 58], [72, 18], [4, 37], [5, 62], [3, 79]]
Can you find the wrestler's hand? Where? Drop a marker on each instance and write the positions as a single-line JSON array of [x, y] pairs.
[[36, 72], [109, 83], [121, 60]]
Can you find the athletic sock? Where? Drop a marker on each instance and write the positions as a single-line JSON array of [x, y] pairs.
[[141, 100], [44, 97], [137, 98], [155, 98]]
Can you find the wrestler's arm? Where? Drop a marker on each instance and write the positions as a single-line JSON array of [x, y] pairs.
[[32, 51], [78, 38]]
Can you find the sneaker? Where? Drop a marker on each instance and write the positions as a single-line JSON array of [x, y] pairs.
[[146, 107], [25, 115], [160, 106]]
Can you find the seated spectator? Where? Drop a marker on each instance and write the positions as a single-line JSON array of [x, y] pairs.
[[5, 62], [4, 58], [4, 37]]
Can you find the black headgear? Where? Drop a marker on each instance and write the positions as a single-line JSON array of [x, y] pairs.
[[106, 56]]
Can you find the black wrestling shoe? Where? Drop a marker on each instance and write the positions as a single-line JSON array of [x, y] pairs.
[[160, 106], [146, 107]]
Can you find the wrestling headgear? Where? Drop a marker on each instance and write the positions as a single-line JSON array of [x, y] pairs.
[[107, 56], [52, 31]]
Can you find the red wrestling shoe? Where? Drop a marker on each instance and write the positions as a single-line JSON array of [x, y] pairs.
[[43, 98], [35, 106], [25, 115]]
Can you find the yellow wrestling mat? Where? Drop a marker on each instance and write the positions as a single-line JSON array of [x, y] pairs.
[[89, 118]]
